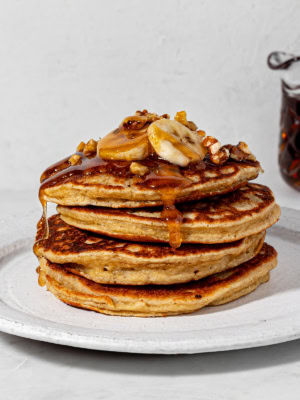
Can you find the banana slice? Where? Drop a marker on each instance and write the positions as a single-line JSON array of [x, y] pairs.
[[123, 144], [176, 143]]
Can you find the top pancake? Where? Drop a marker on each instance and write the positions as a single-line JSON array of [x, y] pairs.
[[111, 184], [247, 211]]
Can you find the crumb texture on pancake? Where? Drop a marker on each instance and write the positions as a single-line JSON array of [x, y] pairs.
[[151, 301], [246, 211], [112, 261]]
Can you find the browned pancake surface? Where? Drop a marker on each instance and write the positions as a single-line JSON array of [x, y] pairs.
[[65, 239], [155, 300], [187, 290], [113, 261]]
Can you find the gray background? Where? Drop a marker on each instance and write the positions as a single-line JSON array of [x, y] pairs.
[[71, 70]]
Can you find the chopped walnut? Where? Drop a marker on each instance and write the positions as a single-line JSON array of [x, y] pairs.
[[181, 117], [144, 112], [220, 157], [90, 147], [237, 154], [75, 159], [138, 169], [244, 147], [151, 117], [214, 148], [201, 133], [191, 125], [134, 122], [217, 154], [241, 152], [141, 119], [209, 141], [80, 147]]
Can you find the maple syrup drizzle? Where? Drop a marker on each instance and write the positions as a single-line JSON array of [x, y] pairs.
[[168, 181], [42, 277], [164, 177], [122, 140], [173, 217], [45, 219]]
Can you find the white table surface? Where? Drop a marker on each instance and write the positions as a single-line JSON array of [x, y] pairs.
[[36, 370]]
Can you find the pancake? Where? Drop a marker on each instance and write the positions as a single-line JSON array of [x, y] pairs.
[[154, 301], [112, 261], [112, 184], [247, 211]]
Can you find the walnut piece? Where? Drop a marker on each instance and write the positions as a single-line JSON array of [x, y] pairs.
[[215, 147], [181, 117], [241, 152], [135, 122], [217, 154], [90, 147], [151, 117], [80, 147], [209, 141], [138, 169], [244, 147], [201, 133], [220, 157], [75, 159], [144, 112], [141, 120]]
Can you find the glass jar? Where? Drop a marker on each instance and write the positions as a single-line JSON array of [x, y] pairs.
[[289, 146]]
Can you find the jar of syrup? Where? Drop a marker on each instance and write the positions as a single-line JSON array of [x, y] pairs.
[[289, 147]]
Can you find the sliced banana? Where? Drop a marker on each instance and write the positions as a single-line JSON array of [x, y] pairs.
[[124, 145], [168, 152], [176, 143]]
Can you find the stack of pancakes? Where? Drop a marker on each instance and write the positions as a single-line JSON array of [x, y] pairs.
[[108, 248]]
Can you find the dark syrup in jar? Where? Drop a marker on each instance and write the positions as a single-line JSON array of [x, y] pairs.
[[289, 148], [289, 142]]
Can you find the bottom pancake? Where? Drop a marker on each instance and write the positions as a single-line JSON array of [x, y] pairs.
[[155, 301]]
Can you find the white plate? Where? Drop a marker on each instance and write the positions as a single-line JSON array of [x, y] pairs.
[[269, 315]]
